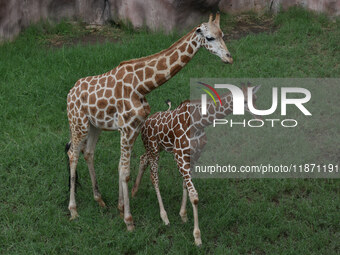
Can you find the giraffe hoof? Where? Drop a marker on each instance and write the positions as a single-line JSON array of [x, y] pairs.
[[197, 236], [165, 219], [198, 242], [166, 222], [73, 217], [130, 227], [129, 223], [74, 214], [184, 216], [101, 203]]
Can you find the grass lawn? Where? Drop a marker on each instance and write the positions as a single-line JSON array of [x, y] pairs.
[[237, 216]]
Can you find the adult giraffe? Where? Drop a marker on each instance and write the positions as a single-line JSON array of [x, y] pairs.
[[116, 101]]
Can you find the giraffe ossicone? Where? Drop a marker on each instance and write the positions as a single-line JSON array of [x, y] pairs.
[[116, 101]]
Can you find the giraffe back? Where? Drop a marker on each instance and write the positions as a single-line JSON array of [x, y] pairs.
[[174, 129]]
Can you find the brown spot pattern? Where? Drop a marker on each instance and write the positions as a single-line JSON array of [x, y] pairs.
[[148, 73], [102, 103], [139, 65], [173, 58], [160, 79], [161, 65], [185, 59], [140, 74], [183, 47], [120, 73], [128, 78], [111, 110]]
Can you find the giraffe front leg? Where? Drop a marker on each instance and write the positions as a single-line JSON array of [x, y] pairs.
[[120, 198], [193, 196], [154, 179], [124, 177], [194, 202], [184, 168], [183, 210]]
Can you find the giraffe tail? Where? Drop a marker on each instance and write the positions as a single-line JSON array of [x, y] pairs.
[[168, 102], [67, 148]]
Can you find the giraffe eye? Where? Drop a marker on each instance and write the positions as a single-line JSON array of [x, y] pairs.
[[210, 38]]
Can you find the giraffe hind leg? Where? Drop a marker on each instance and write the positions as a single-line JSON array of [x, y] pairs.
[[155, 182], [183, 210], [144, 162], [79, 131], [89, 149], [67, 148]]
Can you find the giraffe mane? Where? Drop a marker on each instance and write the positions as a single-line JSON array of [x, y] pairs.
[[136, 60]]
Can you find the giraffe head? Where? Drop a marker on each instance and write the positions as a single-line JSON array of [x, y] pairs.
[[211, 37]]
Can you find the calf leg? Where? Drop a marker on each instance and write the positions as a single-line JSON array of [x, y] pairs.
[[183, 211], [184, 168], [154, 179]]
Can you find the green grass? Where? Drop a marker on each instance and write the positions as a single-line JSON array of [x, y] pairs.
[[263, 216]]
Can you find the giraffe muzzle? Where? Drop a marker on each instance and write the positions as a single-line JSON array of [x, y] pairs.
[[228, 59]]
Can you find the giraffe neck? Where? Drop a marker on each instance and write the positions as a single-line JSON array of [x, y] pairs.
[[216, 111], [160, 67]]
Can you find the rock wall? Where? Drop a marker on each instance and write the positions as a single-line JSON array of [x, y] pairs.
[[331, 7], [162, 14], [155, 14], [17, 14]]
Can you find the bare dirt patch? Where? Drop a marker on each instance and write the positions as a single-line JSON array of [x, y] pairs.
[[235, 28], [86, 35], [89, 39], [244, 25]]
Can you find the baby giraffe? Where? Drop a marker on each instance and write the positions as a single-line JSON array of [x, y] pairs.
[[181, 132]]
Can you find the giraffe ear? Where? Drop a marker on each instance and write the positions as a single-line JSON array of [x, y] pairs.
[[217, 19]]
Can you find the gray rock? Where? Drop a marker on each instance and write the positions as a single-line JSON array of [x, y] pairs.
[[163, 15], [155, 14]]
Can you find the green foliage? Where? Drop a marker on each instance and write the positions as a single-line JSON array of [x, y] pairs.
[[236, 216]]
